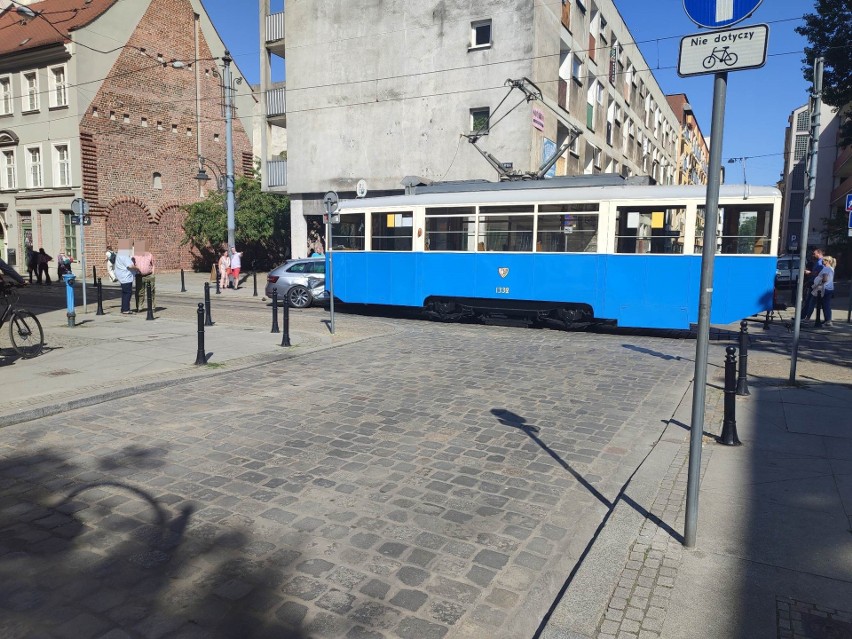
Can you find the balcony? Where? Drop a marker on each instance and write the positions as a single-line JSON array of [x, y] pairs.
[[843, 163], [276, 175], [275, 33], [276, 106]]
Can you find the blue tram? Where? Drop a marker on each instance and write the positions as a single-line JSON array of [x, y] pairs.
[[558, 250]]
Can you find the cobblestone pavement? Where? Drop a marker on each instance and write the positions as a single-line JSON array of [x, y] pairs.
[[639, 600], [438, 482]]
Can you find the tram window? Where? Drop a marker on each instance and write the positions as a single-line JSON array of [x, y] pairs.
[[506, 233], [348, 234], [649, 229], [392, 231], [450, 232], [567, 233], [745, 228]]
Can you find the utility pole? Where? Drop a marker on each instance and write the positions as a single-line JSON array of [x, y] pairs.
[[816, 107], [229, 160]]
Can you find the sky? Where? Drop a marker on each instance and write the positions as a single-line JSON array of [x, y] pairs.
[[759, 101]]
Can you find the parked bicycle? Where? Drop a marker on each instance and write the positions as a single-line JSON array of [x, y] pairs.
[[722, 55], [24, 328]]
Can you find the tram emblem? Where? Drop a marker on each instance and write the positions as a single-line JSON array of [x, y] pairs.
[[503, 270]]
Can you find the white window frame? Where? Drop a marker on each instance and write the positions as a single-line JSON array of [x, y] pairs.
[[31, 183], [57, 164], [57, 90], [7, 96], [577, 68], [479, 110], [474, 30], [5, 182], [29, 98]]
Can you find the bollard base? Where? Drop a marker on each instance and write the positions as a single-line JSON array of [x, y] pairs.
[[742, 388], [729, 435], [71, 318]]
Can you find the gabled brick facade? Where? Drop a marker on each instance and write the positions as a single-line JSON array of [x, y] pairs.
[[143, 125]]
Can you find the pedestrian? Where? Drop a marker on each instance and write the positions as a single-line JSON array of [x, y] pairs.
[[810, 276], [110, 264], [236, 262], [224, 269], [43, 260], [824, 288], [63, 265], [32, 262], [125, 274], [144, 262]]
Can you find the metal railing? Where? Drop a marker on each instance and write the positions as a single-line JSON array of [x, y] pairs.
[[275, 27], [276, 102], [276, 173]]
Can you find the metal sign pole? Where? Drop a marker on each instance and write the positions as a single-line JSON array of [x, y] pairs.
[[83, 261], [331, 200], [816, 106], [708, 255]]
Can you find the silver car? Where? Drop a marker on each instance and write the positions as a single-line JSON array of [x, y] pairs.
[[787, 270], [301, 282]]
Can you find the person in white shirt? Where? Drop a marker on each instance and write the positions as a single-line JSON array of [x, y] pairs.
[[125, 273], [824, 285], [236, 262]]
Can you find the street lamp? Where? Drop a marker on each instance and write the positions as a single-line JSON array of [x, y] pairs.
[[202, 176]]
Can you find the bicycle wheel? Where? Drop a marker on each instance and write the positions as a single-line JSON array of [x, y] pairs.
[[26, 334], [709, 62]]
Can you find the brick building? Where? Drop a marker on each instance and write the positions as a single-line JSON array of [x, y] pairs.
[[113, 102]]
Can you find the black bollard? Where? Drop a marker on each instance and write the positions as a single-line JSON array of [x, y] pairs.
[[729, 423], [285, 321], [148, 295], [208, 321], [100, 299], [94, 275], [275, 311], [766, 321], [254, 277], [218, 276], [182, 283], [742, 378], [201, 356]]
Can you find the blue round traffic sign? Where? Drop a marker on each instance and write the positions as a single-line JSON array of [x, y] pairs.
[[715, 14]]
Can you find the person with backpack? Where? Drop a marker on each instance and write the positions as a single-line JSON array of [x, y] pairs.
[[43, 260]]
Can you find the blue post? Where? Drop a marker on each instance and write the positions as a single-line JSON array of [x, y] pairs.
[[69, 298]]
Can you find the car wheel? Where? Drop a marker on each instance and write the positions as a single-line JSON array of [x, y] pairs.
[[299, 297]]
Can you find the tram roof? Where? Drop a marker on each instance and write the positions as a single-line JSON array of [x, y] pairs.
[[524, 192]]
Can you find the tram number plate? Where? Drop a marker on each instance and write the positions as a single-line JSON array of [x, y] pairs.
[[502, 290]]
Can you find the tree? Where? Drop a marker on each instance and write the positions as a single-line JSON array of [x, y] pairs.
[[827, 32], [261, 220]]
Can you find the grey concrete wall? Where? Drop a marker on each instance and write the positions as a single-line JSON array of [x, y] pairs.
[[380, 90]]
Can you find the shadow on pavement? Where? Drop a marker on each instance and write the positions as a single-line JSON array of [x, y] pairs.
[[83, 552]]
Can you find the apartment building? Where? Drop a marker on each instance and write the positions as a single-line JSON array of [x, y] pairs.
[[380, 91], [833, 181], [693, 150], [112, 101]]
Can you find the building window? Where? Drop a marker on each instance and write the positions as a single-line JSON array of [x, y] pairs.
[[29, 89], [70, 236], [803, 121], [479, 119], [157, 181], [6, 104], [58, 86], [801, 148], [61, 165], [9, 175], [577, 69], [480, 34], [34, 173]]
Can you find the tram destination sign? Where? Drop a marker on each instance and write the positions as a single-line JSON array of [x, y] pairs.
[[720, 51]]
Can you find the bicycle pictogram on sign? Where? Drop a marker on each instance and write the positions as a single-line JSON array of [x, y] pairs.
[[723, 56]]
